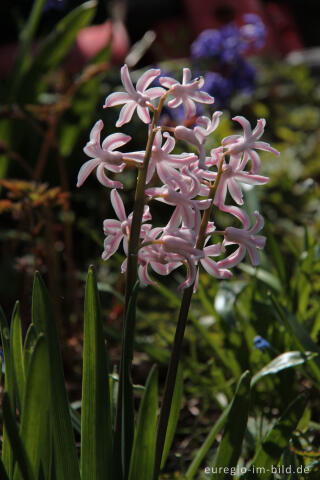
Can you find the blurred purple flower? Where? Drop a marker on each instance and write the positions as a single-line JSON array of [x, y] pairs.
[[243, 76], [219, 87], [207, 44], [253, 31]]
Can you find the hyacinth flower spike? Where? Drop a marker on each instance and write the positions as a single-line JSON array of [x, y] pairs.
[[133, 99], [187, 93], [104, 158], [249, 142], [247, 241]]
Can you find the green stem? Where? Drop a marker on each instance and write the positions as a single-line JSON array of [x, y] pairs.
[[178, 339], [124, 430]]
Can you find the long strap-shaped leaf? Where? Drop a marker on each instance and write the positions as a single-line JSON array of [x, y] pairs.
[[203, 450], [7, 454], [35, 406], [17, 354], [144, 446], [174, 415], [276, 440], [65, 455], [96, 432], [15, 440], [124, 431], [230, 447]]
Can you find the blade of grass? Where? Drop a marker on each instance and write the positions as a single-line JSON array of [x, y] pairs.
[[205, 447], [35, 406], [143, 452], [65, 455], [96, 432], [231, 444], [174, 415], [17, 354]]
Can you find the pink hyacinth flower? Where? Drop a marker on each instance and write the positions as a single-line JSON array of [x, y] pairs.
[[248, 142], [247, 241], [104, 158], [231, 179], [133, 99], [187, 93], [197, 136], [117, 230], [210, 265]]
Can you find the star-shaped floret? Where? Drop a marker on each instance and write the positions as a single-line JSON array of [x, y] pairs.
[[135, 98], [188, 92]]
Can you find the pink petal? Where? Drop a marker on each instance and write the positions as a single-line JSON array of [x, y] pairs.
[[104, 180], [250, 179], [202, 97], [118, 206], [186, 76], [265, 146], [143, 114], [116, 98], [190, 107], [233, 259], [213, 250], [253, 254], [111, 245], [111, 227], [259, 129], [245, 125], [114, 141], [259, 223], [211, 267], [175, 102], [238, 213], [126, 113], [147, 78], [154, 92], [86, 169], [235, 191], [126, 81], [170, 143], [95, 131], [167, 82]]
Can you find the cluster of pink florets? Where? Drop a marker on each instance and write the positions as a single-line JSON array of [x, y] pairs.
[[186, 180]]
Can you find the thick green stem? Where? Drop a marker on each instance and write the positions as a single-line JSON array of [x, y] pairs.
[[178, 339], [124, 429]]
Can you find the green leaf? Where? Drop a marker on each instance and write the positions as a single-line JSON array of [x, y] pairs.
[[124, 432], [57, 44], [300, 334], [65, 455], [17, 354], [144, 446], [282, 362], [26, 37], [174, 415], [277, 440], [29, 344], [96, 432], [3, 473], [13, 434], [35, 406], [7, 454], [205, 447], [230, 446]]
